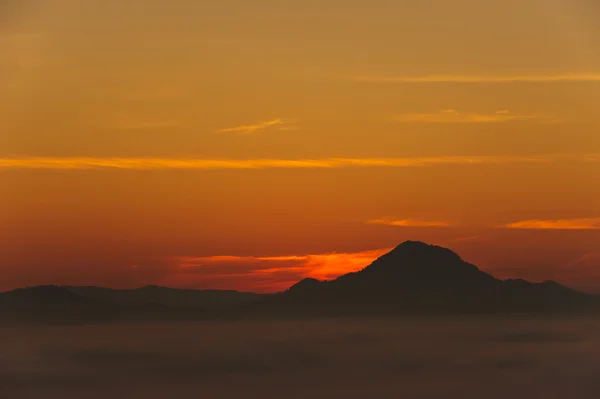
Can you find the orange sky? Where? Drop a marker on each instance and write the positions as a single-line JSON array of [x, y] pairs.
[[247, 145]]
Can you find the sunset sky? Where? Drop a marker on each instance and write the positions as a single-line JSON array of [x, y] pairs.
[[245, 145]]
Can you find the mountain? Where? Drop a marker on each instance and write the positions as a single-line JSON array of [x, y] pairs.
[[417, 278], [64, 304], [155, 295], [48, 295], [49, 304], [413, 279]]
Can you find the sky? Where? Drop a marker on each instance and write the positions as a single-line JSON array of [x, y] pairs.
[[247, 145]]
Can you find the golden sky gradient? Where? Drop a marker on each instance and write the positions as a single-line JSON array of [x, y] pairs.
[[248, 144]]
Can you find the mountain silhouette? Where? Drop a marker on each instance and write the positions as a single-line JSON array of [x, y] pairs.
[[416, 277], [65, 304], [413, 279], [48, 295], [156, 295], [49, 304]]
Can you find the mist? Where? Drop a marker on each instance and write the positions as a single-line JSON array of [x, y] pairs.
[[483, 357]]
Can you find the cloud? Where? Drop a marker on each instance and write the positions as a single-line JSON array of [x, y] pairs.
[[325, 163], [266, 273], [250, 129], [558, 78], [409, 222], [454, 116], [558, 224]]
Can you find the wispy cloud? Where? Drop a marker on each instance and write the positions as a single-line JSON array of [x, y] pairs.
[[454, 116], [251, 129], [272, 273], [532, 224], [557, 224], [410, 222], [325, 163], [194, 262], [558, 78]]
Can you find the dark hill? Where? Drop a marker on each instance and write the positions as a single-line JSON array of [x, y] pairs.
[[417, 278], [419, 267], [413, 279], [50, 304], [156, 295], [56, 304], [47, 294]]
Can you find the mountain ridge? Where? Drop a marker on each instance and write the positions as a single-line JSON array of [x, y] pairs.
[[413, 278], [416, 277]]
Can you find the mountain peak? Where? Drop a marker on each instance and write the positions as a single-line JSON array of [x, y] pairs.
[[419, 277], [417, 266], [410, 243], [417, 255], [422, 248], [305, 284]]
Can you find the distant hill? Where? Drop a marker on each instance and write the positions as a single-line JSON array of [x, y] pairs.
[[48, 295], [155, 295], [413, 279], [65, 304], [50, 304]]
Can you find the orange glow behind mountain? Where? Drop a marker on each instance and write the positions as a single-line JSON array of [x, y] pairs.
[[248, 145]]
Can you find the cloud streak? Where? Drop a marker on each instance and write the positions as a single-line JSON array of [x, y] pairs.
[[454, 116], [68, 163], [482, 79], [558, 224], [271, 273], [251, 129], [409, 222], [530, 224]]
